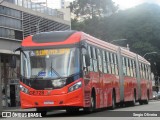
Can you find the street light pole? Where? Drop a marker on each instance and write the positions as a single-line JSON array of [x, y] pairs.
[[121, 40], [38, 24], [149, 53], [118, 40]]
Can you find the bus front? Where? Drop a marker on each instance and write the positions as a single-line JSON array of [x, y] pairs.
[[51, 74]]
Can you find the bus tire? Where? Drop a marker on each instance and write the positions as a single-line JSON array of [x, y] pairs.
[[113, 100], [93, 104], [133, 103], [141, 102], [147, 99]]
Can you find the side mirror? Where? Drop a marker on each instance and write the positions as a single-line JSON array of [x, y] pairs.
[[13, 61]]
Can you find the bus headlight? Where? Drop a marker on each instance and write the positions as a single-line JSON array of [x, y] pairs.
[[75, 86], [58, 82], [23, 89]]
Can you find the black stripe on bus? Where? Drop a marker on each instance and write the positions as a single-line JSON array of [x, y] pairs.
[[54, 36]]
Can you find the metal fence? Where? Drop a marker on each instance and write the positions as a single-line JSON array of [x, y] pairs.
[[37, 7]]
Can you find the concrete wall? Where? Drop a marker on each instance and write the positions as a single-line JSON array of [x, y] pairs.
[[7, 46], [30, 11]]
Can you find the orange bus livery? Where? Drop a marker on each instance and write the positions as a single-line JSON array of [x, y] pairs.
[[72, 70]]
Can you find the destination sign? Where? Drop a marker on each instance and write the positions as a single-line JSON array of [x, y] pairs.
[[51, 52]]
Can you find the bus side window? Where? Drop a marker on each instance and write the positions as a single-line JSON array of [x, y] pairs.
[[104, 61], [112, 63], [134, 68], [90, 56], [108, 63], [128, 67], [131, 67], [116, 64], [141, 72], [124, 66], [146, 70], [94, 60], [99, 60], [147, 73]]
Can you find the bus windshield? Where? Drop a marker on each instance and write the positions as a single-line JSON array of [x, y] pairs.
[[50, 63]]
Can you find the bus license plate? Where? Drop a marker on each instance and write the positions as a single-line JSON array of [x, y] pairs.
[[37, 92], [48, 102]]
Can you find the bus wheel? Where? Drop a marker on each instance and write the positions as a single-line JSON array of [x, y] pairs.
[[113, 101], [141, 102], [133, 103], [72, 110], [147, 99], [93, 104], [42, 111]]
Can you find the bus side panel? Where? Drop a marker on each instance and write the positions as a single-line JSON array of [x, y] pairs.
[[150, 89], [92, 82], [130, 84], [88, 88], [144, 89], [107, 81]]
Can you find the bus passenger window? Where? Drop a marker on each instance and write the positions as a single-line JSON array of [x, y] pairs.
[[143, 73], [116, 64], [147, 74], [104, 62], [94, 60], [127, 65], [108, 63], [140, 68], [134, 68], [131, 67], [112, 63], [90, 56], [124, 66], [99, 60]]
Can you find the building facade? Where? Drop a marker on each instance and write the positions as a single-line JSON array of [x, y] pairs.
[[54, 4], [18, 19]]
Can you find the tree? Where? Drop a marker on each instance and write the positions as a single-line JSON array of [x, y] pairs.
[[85, 9], [139, 25]]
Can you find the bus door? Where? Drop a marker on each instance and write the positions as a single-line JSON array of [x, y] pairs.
[[86, 65], [101, 83]]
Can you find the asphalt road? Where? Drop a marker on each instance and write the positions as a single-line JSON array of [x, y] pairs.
[[106, 114]]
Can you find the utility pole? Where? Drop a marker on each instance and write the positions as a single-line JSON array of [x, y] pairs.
[[149, 53], [38, 23]]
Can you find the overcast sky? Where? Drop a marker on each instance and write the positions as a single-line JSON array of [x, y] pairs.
[[124, 4]]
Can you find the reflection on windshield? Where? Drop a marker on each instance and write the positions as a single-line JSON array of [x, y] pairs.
[[51, 63]]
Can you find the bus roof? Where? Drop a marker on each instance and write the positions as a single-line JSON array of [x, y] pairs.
[[71, 37], [52, 38]]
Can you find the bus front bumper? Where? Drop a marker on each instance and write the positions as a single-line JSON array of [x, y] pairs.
[[73, 99]]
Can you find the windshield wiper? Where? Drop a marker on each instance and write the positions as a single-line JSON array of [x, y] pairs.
[[52, 68]]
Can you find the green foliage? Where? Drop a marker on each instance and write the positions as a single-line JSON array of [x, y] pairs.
[[139, 25], [92, 8]]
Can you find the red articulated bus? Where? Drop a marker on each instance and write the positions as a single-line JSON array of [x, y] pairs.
[[72, 70]]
